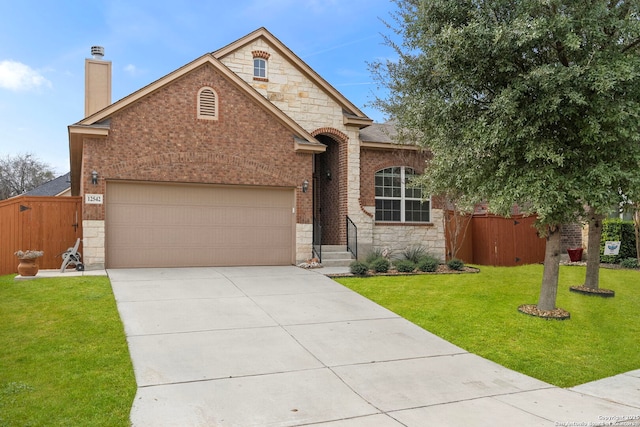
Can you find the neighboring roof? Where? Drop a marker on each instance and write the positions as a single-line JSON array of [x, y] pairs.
[[379, 132], [52, 188], [383, 136], [352, 114]]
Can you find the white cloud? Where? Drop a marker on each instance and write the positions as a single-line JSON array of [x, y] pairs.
[[17, 76], [131, 69]]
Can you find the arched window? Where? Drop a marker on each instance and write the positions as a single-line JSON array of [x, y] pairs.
[[397, 200], [208, 104]]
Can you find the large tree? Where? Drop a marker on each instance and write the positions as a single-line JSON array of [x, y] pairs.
[[21, 173], [534, 102]]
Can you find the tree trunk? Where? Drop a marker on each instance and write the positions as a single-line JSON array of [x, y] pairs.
[[592, 279], [549, 288]]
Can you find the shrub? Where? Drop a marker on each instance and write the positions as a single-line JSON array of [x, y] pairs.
[[405, 266], [359, 268], [428, 264], [455, 264], [414, 253], [617, 229], [629, 263], [376, 254], [380, 265]]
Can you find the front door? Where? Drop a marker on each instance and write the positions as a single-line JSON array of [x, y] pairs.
[[330, 191]]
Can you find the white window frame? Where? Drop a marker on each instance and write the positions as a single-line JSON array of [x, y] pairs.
[[403, 199], [256, 68]]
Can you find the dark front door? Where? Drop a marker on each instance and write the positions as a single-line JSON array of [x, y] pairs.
[[330, 191]]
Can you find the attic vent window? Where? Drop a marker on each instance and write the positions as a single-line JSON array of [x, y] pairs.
[[260, 58], [207, 104]]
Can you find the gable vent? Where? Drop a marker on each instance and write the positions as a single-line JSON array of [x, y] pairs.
[[207, 104]]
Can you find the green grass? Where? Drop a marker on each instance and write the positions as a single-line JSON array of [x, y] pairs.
[[63, 354], [478, 312]]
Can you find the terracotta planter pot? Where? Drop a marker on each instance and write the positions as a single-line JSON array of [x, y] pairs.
[[575, 255], [28, 267]]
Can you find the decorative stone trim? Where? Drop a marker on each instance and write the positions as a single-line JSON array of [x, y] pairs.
[[405, 224], [260, 54], [369, 214], [260, 79], [208, 103], [331, 131], [127, 167]]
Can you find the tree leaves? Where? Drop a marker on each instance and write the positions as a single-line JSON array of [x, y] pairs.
[[527, 102]]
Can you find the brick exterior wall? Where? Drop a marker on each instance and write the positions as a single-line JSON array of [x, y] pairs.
[[160, 139], [570, 237], [372, 161], [397, 237]]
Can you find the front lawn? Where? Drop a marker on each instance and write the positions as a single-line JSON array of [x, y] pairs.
[[63, 355], [478, 312]]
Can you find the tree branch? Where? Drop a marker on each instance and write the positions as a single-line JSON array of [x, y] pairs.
[[632, 45], [561, 54]]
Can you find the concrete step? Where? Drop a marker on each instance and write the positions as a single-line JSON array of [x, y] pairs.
[[334, 248], [336, 256], [336, 262]]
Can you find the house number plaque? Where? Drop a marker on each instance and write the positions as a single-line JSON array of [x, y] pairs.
[[93, 199]]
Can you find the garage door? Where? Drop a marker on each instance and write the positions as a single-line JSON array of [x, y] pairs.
[[154, 225]]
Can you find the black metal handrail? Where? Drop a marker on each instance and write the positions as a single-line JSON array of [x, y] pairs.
[[317, 239], [352, 237]]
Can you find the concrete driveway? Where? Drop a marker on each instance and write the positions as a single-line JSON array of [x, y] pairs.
[[282, 346]]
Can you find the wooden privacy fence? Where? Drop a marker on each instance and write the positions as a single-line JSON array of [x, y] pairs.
[[49, 224], [495, 240]]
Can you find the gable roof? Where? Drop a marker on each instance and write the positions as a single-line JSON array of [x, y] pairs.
[[54, 187], [351, 114], [97, 125], [100, 116]]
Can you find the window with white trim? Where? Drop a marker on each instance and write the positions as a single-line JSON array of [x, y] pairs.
[[397, 200], [260, 68], [207, 104]]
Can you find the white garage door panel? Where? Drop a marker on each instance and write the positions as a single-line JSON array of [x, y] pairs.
[[153, 225]]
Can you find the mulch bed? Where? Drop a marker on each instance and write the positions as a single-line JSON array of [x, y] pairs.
[[604, 293], [442, 269], [555, 314]]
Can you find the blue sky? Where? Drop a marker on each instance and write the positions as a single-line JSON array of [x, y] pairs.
[[43, 44]]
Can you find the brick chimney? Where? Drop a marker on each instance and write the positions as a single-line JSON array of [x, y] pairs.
[[97, 82]]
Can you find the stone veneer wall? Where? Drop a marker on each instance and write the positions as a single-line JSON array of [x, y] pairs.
[[289, 89], [93, 244], [304, 242], [399, 237]]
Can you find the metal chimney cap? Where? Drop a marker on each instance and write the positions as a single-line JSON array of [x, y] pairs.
[[97, 51]]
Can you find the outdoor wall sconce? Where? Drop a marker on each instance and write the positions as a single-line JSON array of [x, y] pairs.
[[329, 174], [305, 186], [94, 178]]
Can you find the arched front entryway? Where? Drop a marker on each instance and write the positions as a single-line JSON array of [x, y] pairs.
[[330, 188]]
